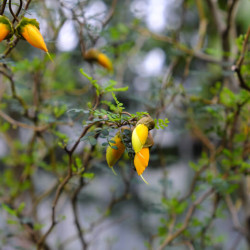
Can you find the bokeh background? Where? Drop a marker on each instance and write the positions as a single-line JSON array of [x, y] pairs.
[[176, 58]]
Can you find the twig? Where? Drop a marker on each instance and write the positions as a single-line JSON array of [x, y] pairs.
[[219, 24], [212, 217], [237, 66], [187, 219], [61, 187], [3, 7], [53, 214], [233, 212], [22, 125], [13, 91], [12, 12], [179, 46], [27, 4], [110, 14]]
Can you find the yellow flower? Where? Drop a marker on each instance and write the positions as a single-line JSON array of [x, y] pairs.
[[141, 161], [139, 137], [6, 29], [3, 31], [33, 36], [29, 30], [94, 55], [104, 61], [114, 154]]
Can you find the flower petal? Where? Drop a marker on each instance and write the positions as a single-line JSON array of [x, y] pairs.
[[141, 160], [139, 137], [113, 155], [33, 36], [3, 31]]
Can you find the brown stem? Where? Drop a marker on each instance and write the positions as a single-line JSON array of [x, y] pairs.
[[12, 12], [3, 7]]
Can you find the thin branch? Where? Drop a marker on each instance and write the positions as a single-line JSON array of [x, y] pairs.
[[237, 66], [61, 187], [59, 190], [27, 4], [214, 8], [19, 9], [244, 49], [3, 7], [212, 217], [187, 219], [234, 215], [110, 14], [12, 12], [13, 91], [22, 125], [179, 46]]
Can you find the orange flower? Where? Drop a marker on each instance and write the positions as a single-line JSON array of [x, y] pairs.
[[104, 61], [33, 36], [29, 30], [94, 55], [141, 161], [6, 29], [3, 31]]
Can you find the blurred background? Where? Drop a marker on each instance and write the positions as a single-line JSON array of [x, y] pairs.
[[176, 58]]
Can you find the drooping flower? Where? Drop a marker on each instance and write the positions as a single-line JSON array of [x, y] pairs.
[[29, 30], [6, 29], [104, 61], [141, 161], [142, 140], [114, 150], [94, 55]]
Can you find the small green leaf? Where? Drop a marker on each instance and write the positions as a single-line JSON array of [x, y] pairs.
[[9, 210], [88, 175]]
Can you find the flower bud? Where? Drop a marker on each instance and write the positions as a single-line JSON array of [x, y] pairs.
[[6, 29], [115, 153], [29, 30]]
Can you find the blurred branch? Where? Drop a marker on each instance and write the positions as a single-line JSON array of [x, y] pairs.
[[27, 4], [212, 217], [12, 12], [179, 46], [19, 9], [201, 37], [245, 197], [218, 18], [237, 66], [61, 187], [3, 7], [234, 214], [186, 221], [22, 125], [13, 91], [110, 14]]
